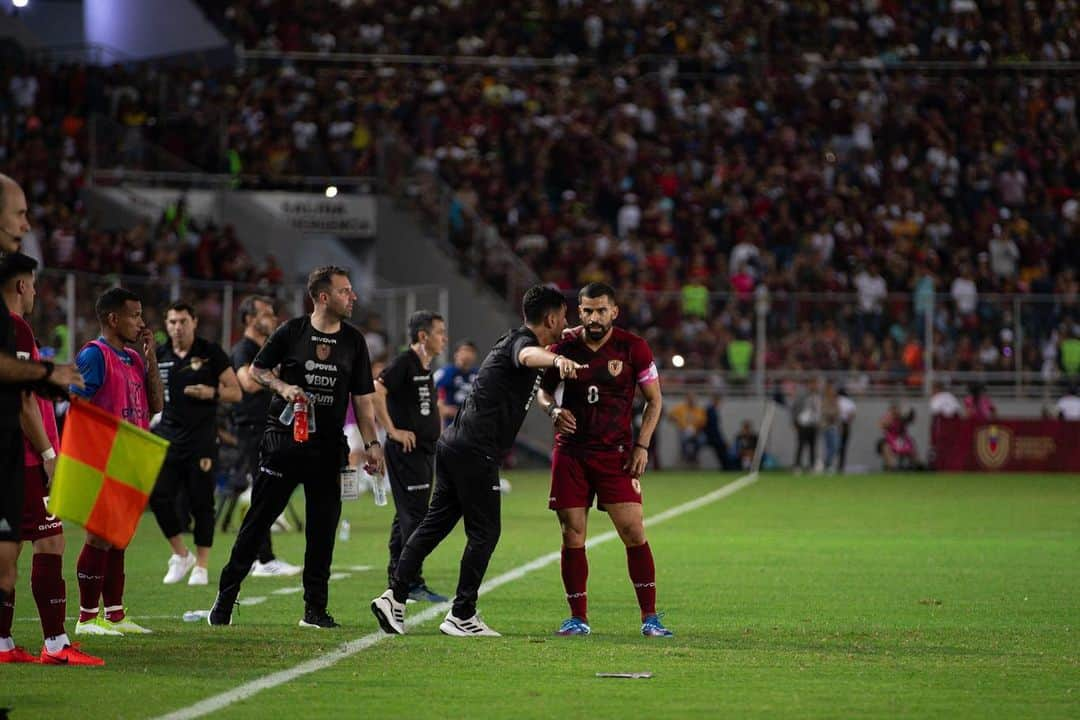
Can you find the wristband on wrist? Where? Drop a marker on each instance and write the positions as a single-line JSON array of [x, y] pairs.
[[216, 394], [49, 367], [555, 361], [373, 443], [643, 447], [552, 409], [48, 454]]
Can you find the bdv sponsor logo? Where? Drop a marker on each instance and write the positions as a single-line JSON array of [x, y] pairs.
[[314, 380]]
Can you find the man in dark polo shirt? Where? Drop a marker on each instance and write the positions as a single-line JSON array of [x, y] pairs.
[[260, 320], [406, 406], [196, 375]]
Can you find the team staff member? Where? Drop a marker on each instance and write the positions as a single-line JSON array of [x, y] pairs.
[[260, 321], [196, 374], [405, 405], [467, 463], [15, 376], [38, 527], [326, 358], [124, 382]]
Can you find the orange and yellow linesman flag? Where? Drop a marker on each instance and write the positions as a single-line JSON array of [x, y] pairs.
[[105, 472]]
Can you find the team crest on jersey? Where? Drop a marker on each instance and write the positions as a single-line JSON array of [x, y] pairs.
[[614, 367], [197, 363], [205, 464], [322, 351]]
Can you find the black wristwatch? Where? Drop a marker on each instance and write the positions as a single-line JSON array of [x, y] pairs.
[[49, 367], [373, 443]]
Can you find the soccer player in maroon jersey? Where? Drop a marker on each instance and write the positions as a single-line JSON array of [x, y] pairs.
[[596, 455], [44, 531]]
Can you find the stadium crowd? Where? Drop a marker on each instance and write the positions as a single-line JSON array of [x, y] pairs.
[[691, 159], [606, 31]]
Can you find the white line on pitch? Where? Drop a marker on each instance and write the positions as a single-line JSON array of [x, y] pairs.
[[251, 600], [340, 576], [248, 689]]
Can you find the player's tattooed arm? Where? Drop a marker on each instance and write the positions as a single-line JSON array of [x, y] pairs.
[[269, 379]]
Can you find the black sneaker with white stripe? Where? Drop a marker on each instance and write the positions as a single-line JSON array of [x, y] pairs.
[[473, 627], [221, 612], [318, 618]]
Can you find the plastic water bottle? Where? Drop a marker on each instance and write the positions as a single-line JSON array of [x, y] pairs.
[[300, 420], [378, 490], [345, 531], [196, 615]]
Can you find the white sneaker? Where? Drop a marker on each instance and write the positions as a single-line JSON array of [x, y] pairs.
[[390, 613], [281, 525], [94, 626], [179, 566], [126, 627], [199, 576], [473, 627], [275, 568]]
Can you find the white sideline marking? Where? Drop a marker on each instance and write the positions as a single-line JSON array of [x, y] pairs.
[[287, 591], [251, 600], [340, 576], [248, 689]]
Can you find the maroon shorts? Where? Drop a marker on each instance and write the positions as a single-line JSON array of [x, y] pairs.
[[37, 523], [579, 476]]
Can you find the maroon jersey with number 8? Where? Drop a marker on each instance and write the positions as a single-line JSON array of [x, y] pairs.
[[602, 396]]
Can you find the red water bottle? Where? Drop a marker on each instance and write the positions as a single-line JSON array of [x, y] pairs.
[[300, 419]]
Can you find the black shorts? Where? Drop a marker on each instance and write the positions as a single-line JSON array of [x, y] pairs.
[[12, 456]]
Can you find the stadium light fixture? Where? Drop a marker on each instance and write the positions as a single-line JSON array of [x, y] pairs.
[[678, 361], [20, 3], [331, 191]]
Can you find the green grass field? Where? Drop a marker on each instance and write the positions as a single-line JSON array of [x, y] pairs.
[[872, 596]]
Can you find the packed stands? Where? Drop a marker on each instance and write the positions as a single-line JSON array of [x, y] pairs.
[[705, 167]]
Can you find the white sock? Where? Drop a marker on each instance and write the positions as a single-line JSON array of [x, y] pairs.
[[7, 644], [56, 643]]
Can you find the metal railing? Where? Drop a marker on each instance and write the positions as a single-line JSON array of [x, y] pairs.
[[64, 320], [787, 339]]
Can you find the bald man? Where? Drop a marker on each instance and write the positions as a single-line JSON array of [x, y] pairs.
[[16, 377]]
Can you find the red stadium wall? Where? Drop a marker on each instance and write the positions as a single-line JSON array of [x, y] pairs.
[[1006, 445]]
